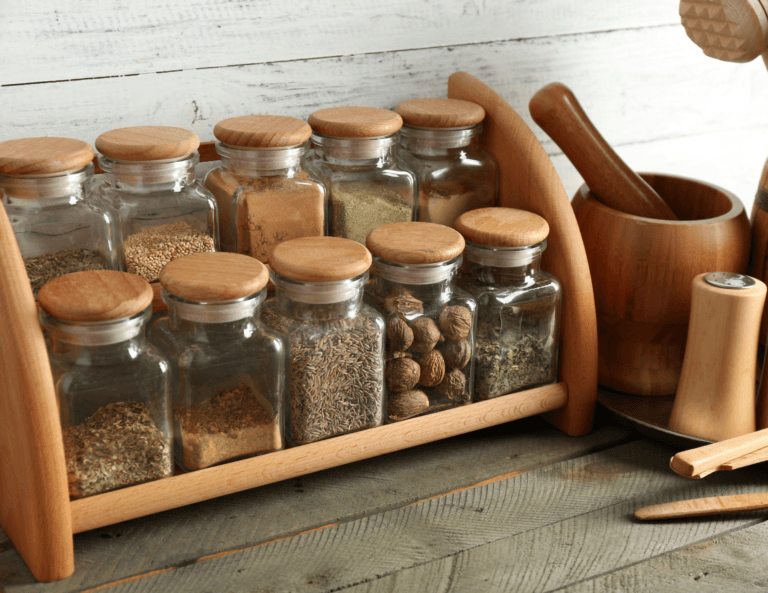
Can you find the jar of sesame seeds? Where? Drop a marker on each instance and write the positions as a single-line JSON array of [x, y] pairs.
[[149, 185]]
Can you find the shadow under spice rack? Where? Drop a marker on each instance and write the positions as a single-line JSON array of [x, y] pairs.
[[35, 509]]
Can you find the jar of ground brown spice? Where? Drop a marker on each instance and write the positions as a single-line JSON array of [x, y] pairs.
[[440, 143], [227, 368], [264, 194]]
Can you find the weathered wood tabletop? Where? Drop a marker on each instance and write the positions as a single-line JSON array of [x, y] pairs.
[[519, 507]]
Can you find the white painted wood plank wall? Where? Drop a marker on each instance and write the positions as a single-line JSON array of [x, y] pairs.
[[78, 68]]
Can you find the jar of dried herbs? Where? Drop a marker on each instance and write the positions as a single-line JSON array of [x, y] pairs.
[[228, 370], [518, 322], [430, 320], [265, 195], [42, 187], [162, 211], [336, 342], [111, 384], [440, 143], [354, 155]]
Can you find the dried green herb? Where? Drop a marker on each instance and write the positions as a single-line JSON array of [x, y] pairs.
[[358, 208], [44, 268]]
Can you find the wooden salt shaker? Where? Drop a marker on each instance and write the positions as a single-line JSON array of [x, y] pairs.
[[716, 395]]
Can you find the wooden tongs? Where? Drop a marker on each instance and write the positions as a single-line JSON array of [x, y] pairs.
[[697, 463]]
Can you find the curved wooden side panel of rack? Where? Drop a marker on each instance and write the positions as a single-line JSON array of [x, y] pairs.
[[35, 509]]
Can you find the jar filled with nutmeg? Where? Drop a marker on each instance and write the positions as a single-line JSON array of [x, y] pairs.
[[518, 320], [430, 320]]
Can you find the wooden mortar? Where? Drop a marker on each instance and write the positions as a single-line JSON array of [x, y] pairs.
[[642, 272]]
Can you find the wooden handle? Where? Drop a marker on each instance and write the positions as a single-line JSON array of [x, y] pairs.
[[699, 507], [559, 114], [709, 458]]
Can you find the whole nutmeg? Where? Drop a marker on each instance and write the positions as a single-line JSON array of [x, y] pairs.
[[432, 369], [425, 334], [453, 384], [402, 301], [404, 405], [402, 374], [457, 353], [455, 322], [399, 335]]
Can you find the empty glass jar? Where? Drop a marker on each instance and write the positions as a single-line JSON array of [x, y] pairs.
[[228, 370], [42, 185], [111, 384], [336, 342], [440, 143], [518, 321], [430, 320]]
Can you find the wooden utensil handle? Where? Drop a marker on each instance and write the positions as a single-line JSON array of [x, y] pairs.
[[710, 457], [699, 507], [559, 114]]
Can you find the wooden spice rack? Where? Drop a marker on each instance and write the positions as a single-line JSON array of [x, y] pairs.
[[35, 509]]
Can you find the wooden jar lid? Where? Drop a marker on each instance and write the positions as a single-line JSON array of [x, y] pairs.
[[214, 276], [355, 122], [262, 131], [100, 295], [415, 243], [440, 113], [147, 143], [502, 227], [320, 259], [43, 155]]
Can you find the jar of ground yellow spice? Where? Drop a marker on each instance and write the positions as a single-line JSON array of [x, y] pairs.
[[264, 194]]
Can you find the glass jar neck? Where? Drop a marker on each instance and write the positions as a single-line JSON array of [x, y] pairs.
[[416, 274], [212, 313], [438, 141], [506, 265], [366, 152], [321, 300], [150, 176], [64, 187], [107, 336], [261, 162]]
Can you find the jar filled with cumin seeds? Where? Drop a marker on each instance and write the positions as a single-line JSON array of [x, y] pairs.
[[58, 230], [228, 370], [518, 321], [354, 155], [111, 384], [336, 342], [162, 211], [430, 320]]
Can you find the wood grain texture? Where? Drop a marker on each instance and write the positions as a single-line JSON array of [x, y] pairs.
[[355, 122], [702, 507], [415, 243], [759, 261], [147, 143], [42, 156], [214, 277], [34, 497], [704, 460], [528, 180], [502, 227], [320, 259], [262, 131], [440, 113]]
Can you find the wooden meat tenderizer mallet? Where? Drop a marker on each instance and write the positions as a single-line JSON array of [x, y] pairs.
[[613, 183], [715, 397]]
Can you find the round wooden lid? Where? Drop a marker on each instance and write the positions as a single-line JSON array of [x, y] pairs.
[[355, 122], [415, 243], [440, 113], [100, 295], [43, 155], [147, 143], [320, 259], [214, 276], [502, 227], [262, 131]]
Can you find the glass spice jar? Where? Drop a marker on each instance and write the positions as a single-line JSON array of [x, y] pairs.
[[228, 370], [264, 194], [518, 321], [162, 211], [430, 321], [336, 342], [112, 385], [42, 186], [440, 143], [354, 155]]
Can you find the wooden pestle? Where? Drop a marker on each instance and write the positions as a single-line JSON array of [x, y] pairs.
[[613, 183]]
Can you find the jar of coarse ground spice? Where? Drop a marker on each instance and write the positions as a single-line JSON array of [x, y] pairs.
[[228, 369], [42, 186], [430, 320], [264, 194], [149, 184], [440, 143], [111, 384], [354, 154], [336, 342]]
